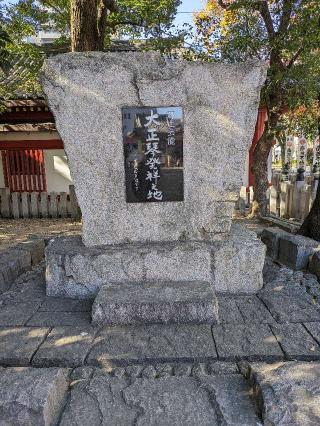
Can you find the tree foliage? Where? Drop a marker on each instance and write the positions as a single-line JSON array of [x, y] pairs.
[[129, 19], [287, 34]]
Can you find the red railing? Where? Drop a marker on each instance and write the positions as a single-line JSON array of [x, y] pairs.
[[24, 170]]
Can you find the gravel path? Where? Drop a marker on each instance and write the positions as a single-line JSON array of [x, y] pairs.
[[13, 232]]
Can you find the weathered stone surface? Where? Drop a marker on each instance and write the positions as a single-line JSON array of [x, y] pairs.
[[270, 237], [13, 262], [232, 266], [235, 342], [55, 319], [314, 264], [238, 262], [286, 306], [64, 347], [221, 367], [314, 330], [35, 248], [229, 311], [295, 250], [296, 342], [143, 344], [18, 344], [17, 314], [61, 304], [76, 271], [166, 401], [156, 302], [31, 396], [219, 104], [288, 392], [254, 311], [29, 287]]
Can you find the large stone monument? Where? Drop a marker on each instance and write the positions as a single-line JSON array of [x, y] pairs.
[[156, 150]]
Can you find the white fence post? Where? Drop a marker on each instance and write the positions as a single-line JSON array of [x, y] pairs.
[[25, 204], [5, 202], [34, 210], [15, 197]]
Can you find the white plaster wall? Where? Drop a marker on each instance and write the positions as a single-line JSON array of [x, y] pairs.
[[57, 170]]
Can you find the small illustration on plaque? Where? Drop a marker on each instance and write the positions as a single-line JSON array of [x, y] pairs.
[[153, 153]]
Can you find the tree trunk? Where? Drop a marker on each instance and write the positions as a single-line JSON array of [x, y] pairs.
[[260, 167], [88, 24], [84, 30], [311, 225]]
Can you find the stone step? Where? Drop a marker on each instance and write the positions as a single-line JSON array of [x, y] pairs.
[[155, 302]]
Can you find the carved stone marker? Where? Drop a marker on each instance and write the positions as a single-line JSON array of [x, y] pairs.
[[156, 150]]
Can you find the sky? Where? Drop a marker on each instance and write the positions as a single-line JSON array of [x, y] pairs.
[[188, 6], [183, 15]]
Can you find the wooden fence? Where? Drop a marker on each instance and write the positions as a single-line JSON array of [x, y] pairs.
[[288, 200], [38, 204]]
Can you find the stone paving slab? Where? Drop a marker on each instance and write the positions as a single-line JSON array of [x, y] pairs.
[[17, 314], [295, 307], [30, 396], [18, 344], [253, 311], [65, 347], [314, 329], [55, 319], [212, 400], [143, 344], [288, 393], [155, 302], [237, 341], [296, 342], [228, 310]]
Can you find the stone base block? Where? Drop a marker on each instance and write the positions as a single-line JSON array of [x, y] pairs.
[[314, 264], [231, 266], [295, 250], [270, 237], [157, 302]]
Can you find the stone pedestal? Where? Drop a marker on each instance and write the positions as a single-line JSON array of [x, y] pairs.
[[232, 266], [155, 302]]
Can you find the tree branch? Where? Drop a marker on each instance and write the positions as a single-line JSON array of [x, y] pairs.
[[265, 13], [134, 24], [53, 7], [222, 4], [286, 15], [294, 57]]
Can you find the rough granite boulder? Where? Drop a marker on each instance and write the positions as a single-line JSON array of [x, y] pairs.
[[31, 396], [288, 393], [86, 92]]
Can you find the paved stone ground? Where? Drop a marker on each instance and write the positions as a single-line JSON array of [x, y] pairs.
[[196, 374]]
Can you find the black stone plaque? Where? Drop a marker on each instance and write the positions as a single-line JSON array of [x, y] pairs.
[[153, 153]]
